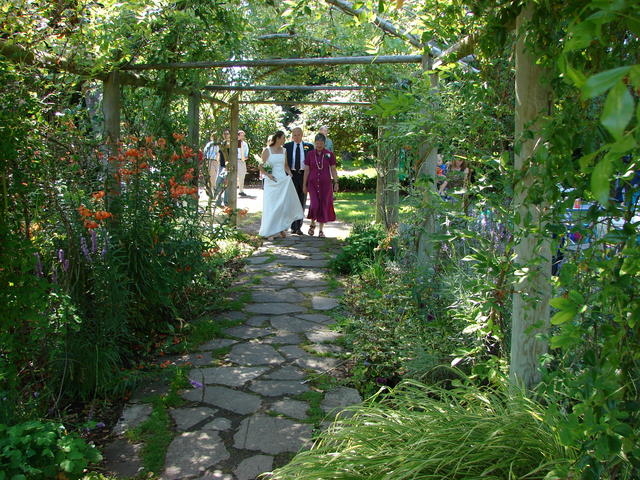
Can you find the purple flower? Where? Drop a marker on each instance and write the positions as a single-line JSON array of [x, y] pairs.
[[61, 256], [94, 241], [39, 270], [100, 425], [65, 264], [84, 249], [195, 384]]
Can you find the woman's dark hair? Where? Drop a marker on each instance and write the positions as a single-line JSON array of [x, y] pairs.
[[276, 136], [321, 137]]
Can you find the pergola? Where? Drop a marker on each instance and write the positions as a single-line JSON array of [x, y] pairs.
[[532, 99], [113, 83]]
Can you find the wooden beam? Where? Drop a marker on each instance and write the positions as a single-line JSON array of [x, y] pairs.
[[273, 62], [288, 102], [385, 25], [272, 88], [19, 55], [457, 51]]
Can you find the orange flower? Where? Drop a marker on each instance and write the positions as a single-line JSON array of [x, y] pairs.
[[90, 224], [178, 137], [228, 210], [102, 214], [187, 151], [175, 157], [84, 211], [243, 212], [98, 195], [132, 152], [148, 139], [161, 142], [144, 165]]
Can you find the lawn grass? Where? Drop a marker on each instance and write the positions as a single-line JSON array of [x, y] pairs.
[[352, 207]]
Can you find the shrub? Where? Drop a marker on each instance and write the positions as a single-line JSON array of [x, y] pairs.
[[360, 248], [430, 433], [37, 450], [358, 183]]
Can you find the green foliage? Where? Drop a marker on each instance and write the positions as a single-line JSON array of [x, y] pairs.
[[360, 247], [357, 183], [426, 432], [37, 450]]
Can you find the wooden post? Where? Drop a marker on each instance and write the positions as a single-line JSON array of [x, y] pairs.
[[111, 136], [232, 165], [194, 120], [428, 153], [392, 187], [379, 181], [530, 315], [193, 135]]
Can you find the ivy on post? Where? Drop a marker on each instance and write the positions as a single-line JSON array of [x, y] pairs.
[[111, 110], [428, 154], [232, 166], [379, 180], [530, 314], [194, 132]]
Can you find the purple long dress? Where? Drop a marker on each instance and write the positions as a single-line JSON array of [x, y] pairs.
[[320, 186]]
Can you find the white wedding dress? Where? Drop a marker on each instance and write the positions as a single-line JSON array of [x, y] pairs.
[[280, 203]]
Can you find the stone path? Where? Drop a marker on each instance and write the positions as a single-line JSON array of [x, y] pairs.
[[250, 414]]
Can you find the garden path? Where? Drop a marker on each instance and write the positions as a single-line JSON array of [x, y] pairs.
[[249, 412]]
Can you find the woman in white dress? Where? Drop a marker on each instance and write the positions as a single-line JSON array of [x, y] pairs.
[[280, 203]]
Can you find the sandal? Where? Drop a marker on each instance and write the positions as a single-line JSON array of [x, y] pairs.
[[320, 234], [312, 229]]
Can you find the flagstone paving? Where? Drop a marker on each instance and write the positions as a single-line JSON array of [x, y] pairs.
[[248, 410]]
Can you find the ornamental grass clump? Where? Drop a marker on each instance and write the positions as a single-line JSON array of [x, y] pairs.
[[425, 432]]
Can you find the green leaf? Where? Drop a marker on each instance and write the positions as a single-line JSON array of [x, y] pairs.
[[600, 180], [562, 303], [581, 36], [617, 110], [601, 82], [562, 317]]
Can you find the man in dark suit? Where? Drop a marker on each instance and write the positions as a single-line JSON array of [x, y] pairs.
[[296, 151]]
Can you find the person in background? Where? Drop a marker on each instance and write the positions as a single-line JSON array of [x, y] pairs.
[[296, 154], [213, 162], [221, 180], [328, 144], [456, 176], [320, 180], [243, 154]]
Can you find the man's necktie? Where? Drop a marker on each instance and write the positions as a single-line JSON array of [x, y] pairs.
[[296, 163]]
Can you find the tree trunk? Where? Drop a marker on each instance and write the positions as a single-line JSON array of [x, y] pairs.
[[531, 297]]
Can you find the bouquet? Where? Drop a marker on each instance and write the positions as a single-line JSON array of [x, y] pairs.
[[267, 167]]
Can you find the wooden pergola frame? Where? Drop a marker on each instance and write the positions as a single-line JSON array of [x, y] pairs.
[[111, 98]]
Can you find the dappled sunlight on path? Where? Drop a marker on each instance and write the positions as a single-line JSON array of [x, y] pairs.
[[258, 394]]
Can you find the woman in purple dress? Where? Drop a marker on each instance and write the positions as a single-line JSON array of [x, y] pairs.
[[320, 180]]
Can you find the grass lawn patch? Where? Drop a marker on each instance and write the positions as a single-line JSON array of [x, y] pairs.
[[355, 207]]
